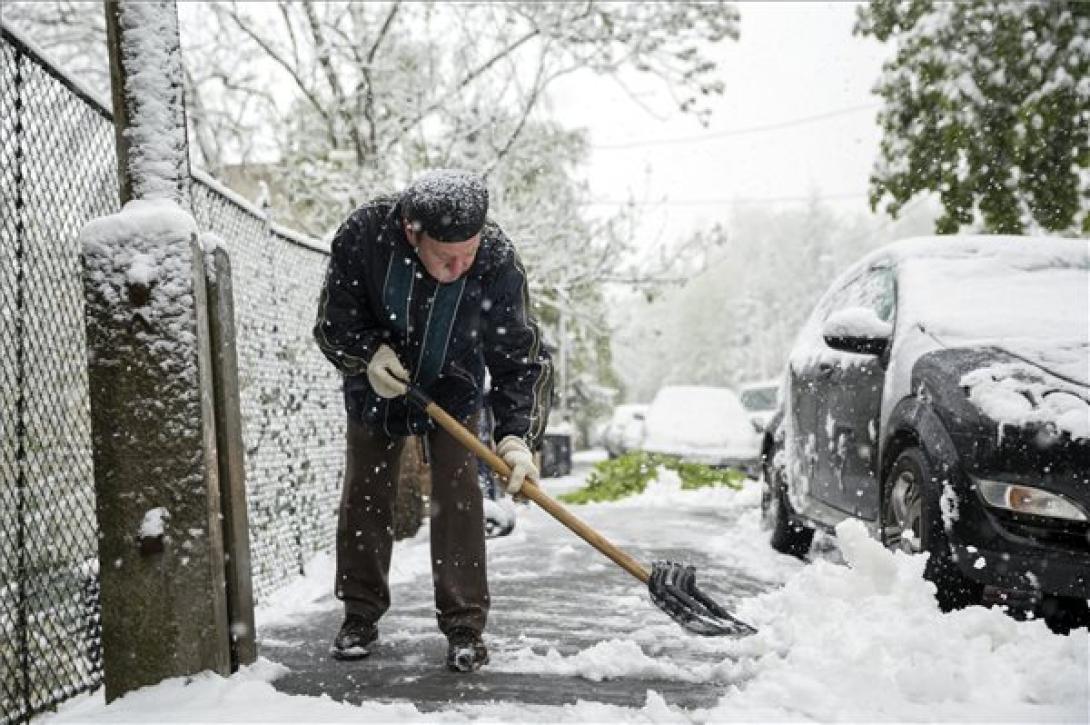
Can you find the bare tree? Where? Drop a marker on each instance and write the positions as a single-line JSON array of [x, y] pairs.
[[379, 90], [342, 101]]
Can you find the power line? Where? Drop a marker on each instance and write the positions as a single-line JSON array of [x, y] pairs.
[[737, 131], [717, 202]]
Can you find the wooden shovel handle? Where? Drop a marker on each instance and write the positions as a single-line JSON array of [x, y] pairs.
[[533, 492]]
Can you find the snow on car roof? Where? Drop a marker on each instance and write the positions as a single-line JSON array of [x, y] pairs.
[[1025, 252], [1027, 294], [696, 416], [1014, 249]]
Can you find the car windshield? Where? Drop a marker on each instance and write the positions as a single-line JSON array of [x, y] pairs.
[[1034, 303], [759, 398]]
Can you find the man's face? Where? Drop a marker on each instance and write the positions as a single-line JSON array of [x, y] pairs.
[[445, 261]]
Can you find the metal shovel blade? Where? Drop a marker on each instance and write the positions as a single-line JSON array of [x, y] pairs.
[[673, 590]]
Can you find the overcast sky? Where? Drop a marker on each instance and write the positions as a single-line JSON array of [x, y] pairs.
[[793, 61]]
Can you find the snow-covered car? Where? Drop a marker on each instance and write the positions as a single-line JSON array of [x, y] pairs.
[[702, 424], [760, 400], [624, 432], [939, 392]]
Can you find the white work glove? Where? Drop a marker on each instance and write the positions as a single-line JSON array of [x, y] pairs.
[[514, 452], [381, 370]]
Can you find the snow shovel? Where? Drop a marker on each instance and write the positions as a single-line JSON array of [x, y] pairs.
[[672, 585]]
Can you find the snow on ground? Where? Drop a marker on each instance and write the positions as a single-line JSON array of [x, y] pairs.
[[861, 641]]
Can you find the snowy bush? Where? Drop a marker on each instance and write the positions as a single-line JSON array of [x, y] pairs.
[[629, 475]]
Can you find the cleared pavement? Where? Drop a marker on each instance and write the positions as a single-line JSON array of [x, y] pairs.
[[549, 591]]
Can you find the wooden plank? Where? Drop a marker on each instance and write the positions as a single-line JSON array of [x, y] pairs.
[[232, 470]]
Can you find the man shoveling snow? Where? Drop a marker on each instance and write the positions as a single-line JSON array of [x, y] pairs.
[[425, 283]]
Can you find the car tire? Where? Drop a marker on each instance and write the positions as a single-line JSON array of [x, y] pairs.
[[786, 535], [954, 589]]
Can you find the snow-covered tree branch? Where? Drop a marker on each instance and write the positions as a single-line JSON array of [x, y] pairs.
[[988, 105]]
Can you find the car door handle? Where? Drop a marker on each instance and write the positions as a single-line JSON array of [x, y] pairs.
[[826, 368]]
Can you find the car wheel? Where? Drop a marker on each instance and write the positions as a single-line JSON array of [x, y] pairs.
[[912, 506], [786, 536]]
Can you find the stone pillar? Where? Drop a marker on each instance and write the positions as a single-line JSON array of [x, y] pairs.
[[163, 598], [156, 480]]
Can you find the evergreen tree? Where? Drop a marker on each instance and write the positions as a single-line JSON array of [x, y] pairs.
[[987, 104]]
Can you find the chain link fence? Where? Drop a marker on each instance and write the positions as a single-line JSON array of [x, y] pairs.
[[292, 414], [57, 171]]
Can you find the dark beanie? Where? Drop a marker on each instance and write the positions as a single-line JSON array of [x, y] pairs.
[[449, 204]]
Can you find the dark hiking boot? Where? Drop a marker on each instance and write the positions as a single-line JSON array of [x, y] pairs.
[[352, 641], [465, 650]]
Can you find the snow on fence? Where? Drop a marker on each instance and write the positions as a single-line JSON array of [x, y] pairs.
[[57, 171]]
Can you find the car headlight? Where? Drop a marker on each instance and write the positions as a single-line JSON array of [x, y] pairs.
[[1028, 500]]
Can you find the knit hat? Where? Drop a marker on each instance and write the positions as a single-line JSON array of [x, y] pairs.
[[449, 204]]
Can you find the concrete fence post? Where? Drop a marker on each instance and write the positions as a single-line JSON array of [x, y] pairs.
[[150, 370], [155, 459]]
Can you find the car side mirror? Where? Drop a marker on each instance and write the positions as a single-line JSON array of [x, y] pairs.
[[858, 330]]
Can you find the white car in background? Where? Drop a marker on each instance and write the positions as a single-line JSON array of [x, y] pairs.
[[761, 401], [624, 432], [701, 424]]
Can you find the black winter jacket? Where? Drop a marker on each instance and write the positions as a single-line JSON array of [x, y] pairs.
[[377, 291]]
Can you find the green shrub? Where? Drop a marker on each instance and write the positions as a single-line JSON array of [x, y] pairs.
[[629, 474]]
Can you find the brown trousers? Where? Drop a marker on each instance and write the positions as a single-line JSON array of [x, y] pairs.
[[365, 528]]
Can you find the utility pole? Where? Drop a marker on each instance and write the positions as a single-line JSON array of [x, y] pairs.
[[562, 325]]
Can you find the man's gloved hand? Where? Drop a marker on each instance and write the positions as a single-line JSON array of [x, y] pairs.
[[381, 370], [515, 454]]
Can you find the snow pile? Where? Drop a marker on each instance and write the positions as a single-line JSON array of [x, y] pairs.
[[307, 594], [1014, 394], [606, 660], [247, 696], [895, 655], [864, 641]]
